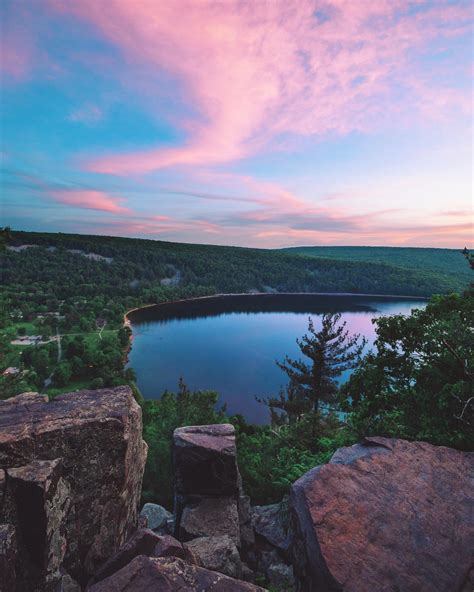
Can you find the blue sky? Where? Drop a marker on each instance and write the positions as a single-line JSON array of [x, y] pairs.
[[291, 123]]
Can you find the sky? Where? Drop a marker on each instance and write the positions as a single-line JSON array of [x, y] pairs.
[[251, 123]]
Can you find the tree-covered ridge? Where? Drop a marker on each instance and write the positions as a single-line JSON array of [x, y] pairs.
[[135, 268], [444, 261]]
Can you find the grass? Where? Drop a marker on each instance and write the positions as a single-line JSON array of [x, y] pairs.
[[30, 328], [75, 385]]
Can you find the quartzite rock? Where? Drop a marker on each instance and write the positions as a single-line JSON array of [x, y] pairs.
[[142, 542], [156, 516], [272, 524], [170, 575], [385, 515], [205, 460], [217, 554], [210, 517], [97, 436], [41, 499], [8, 554], [168, 546]]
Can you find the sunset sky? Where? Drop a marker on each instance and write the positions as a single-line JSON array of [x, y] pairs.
[[255, 123]]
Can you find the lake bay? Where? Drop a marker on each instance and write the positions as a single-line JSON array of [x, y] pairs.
[[230, 343]]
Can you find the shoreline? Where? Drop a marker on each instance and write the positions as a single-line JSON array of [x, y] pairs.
[[127, 322]]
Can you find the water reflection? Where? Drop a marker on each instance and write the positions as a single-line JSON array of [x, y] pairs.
[[230, 344]]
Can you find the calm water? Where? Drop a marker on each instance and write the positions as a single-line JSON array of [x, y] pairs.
[[230, 344]]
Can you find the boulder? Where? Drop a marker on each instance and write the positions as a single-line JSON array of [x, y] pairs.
[[280, 576], [205, 460], [217, 553], [210, 517], [36, 503], [8, 553], [97, 437], [170, 575], [142, 542], [272, 567], [272, 524], [168, 546], [156, 516], [385, 515], [247, 537]]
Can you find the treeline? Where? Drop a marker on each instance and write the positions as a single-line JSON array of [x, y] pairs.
[[135, 270]]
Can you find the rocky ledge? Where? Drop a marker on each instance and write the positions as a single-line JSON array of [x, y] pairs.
[[385, 515], [70, 480]]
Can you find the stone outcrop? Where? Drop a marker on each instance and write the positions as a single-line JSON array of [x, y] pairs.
[[385, 515], [71, 481], [168, 574], [209, 499], [206, 482]]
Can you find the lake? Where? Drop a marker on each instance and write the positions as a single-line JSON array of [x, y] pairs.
[[230, 343]]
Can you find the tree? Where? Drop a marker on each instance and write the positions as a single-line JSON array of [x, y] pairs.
[[419, 383], [293, 402], [62, 374], [331, 352]]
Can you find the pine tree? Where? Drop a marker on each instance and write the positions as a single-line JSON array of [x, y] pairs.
[[331, 351], [293, 401]]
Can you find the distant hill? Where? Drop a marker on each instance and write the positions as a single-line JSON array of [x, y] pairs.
[[448, 262], [136, 271]]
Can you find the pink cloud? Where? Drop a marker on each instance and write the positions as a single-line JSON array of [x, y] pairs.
[[262, 71], [15, 60], [90, 200]]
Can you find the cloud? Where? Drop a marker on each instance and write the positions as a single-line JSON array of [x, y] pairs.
[[90, 200], [259, 74]]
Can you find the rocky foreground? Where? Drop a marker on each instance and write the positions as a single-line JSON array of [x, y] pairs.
[[384, 515]]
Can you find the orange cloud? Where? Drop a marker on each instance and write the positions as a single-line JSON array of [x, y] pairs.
[[90, 200], [263, 71]]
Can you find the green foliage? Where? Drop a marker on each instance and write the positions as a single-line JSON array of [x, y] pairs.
[[419, 382], [446, 264], [271, 458], [160, 418]]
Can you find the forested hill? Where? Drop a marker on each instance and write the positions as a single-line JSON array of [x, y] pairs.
[[445, 261], [43, 268]]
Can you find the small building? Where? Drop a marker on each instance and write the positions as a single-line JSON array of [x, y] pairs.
[[11, 371]]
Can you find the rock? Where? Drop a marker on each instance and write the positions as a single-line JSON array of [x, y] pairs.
[[385, 515], [36, 505], [170, 575], [272, 524], [142, 542], [248, 575], [67, 584], [97, 436], [8, 552], [156, 516], [280, 576], [210, 517], [217, 553], [272, 567], [247, 538], [205, 460], [168, 546]]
